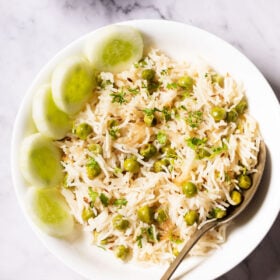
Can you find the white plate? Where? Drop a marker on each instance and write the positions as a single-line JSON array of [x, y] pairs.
[[181, 42]]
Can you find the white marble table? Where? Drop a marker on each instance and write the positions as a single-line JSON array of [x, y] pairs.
[[32, 31]]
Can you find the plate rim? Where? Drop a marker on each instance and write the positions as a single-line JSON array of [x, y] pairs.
[[28, 93]]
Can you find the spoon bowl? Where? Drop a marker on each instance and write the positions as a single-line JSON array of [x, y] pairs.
[[247, 197]]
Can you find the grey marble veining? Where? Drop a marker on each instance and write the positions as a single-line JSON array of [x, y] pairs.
[[32, 31]]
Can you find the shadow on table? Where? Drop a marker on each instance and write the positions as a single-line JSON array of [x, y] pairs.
[[263, 262], [276, 88]]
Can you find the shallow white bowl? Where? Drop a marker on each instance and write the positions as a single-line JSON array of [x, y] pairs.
[[181, 42]]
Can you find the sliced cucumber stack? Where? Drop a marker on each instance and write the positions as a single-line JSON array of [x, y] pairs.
[[114, 48], [40, 161], [49, 211], [48, 119], [73, 82]]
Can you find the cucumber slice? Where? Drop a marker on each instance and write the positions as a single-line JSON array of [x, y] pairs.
[[48, 119], [49, 211], [73, 82], [114, 48], [40, 161]]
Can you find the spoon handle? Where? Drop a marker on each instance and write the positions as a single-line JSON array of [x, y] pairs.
[[188, 246]]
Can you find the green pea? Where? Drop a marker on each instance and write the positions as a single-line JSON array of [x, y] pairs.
[[218, 113], [95, 148], [236, 197], [202, 153], [148, 151], [191, 217], [232, 116], [218, 213], [244, 181], [218, 79], [93, 168], [121, 252], [161, 215], [150, 120], [120, 223], [189, 189], [186, 82], [87, 214], [82, 130], [145, 214], [241, 106], [159, 164], [148, 74], [169, 152], [131, 165]]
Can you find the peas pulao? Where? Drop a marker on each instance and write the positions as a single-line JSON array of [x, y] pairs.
[[161, 149]]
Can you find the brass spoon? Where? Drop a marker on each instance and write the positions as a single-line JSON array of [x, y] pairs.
[[248, 195]]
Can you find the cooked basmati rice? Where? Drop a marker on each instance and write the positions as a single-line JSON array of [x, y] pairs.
[[214, 175]]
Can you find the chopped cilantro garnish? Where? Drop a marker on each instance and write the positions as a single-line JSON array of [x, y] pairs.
[[194, 119], [150, 112], [119, 97], [202, 153], [114, 132], [183, 107], [113, 129], [103, 83], [139, 240], [120, 202], [92, 194], [162, 138], [175, 113], [104, 199], [143, 62], [144, 84], [244, 170], [164, 72], [195, 142], [134, 91], [167, 113], [151, 234], [219, 150], [227, 177], [112, 123], [172, 86], [197, 145], [140, 63]]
